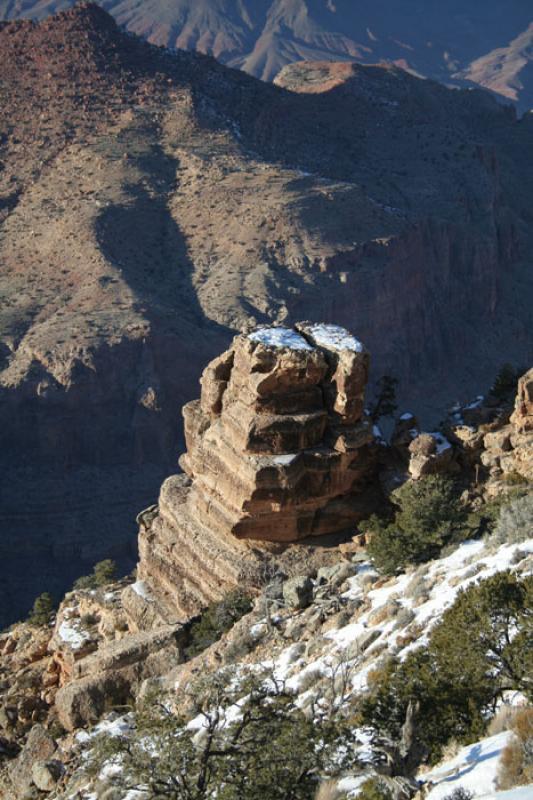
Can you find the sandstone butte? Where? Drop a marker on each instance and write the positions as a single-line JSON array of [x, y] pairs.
[[278, 451], [281, 464]]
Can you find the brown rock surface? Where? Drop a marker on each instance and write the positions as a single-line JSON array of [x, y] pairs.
[[40, 747], [521, 436], [522, 417], [112, 674], [492, 49], [494, 436], [28, 680], [152, 203], [278, 451], [430, 453]]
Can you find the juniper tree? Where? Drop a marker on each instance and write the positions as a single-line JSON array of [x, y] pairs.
[[249, 740], [482, 647], [43, 610], [104, 572], [428, 515]]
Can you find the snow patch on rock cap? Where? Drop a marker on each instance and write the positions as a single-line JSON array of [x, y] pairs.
[[334, 337], [280, 337]]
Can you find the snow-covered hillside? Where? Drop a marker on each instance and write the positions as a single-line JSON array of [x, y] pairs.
[[355, 621]]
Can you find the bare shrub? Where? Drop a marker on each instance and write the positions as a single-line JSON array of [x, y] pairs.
[[502, 720], [404, 618], [309, 678], [460, 794], [417, 587], [515, 523], [329, 791], [384, 612], [516, 761]]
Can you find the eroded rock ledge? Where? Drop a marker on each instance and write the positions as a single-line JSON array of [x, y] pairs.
[[278, 451]]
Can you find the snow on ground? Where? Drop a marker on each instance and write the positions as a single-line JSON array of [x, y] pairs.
[[140, 588], [475, 403], [285, 459], [351, 785], [443, 579], [113, 726], [442, 442], [280, 337], [335, 338], [475, 768], [520, 793], [70, 632]]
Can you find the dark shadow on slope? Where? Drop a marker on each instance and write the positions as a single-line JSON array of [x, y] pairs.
[[85, 461]]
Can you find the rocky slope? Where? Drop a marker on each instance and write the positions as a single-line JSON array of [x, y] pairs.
[[454, 43], [324, 643], [318, 602], [153, 203]]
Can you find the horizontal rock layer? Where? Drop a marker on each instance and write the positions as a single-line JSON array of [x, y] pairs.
[[278, 450]]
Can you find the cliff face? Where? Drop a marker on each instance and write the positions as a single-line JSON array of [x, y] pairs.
[[278, 450], [281, 466], [153, 203]]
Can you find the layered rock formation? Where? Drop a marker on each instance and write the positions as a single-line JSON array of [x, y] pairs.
[[509, 448], [151, 204], [278, 450]]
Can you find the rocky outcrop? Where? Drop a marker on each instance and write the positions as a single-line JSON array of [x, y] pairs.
[[507, 453], [430, 453], [521, 434], [98, 660], [112, 675], [197, 212], [494, 436], [278, 451]]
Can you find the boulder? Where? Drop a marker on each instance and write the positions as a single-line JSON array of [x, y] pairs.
[[499, 440], [336, 574], [46, 774], [363, 642], [298, 592], [430, 453], [39, 747], [111, 675], [83, 702]]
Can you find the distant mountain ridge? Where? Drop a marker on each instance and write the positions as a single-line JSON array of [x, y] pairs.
[[458, 42]]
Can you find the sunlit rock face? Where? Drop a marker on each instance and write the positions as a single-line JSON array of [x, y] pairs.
[[278, 451]]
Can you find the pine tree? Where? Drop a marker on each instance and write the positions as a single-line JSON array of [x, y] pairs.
[[428, 516], [43, 610], [105, 572]]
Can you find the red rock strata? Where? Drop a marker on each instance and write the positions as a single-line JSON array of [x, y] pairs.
[[278, 450]]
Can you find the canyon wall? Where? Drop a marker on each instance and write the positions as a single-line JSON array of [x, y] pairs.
[[153, 204]]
